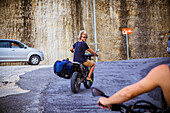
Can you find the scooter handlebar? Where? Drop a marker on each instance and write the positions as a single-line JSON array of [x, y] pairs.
[[115, 107], [88, 55]]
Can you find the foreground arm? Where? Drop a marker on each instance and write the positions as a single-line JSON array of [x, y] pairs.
[[151, 81]]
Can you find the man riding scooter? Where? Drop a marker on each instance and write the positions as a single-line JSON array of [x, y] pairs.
[[79, 49]]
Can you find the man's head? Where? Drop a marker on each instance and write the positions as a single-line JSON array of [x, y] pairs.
[[12, 44], [83, 35]]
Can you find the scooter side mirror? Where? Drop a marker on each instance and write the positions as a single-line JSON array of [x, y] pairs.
[[97, 92]]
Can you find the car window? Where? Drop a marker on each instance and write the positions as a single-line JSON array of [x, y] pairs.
[[4, 44], [16, 45]]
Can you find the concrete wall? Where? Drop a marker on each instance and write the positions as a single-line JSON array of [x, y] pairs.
[[53, 26]]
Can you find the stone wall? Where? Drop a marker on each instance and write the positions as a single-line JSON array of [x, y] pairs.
[[53, 26]]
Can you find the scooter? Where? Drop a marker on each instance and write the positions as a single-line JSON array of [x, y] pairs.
[[80, 72], [140, 106]]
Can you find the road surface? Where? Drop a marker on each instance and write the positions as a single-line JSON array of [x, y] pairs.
[[47, 93]]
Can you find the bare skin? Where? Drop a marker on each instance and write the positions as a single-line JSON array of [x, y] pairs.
[[157, 77], [89, 50]]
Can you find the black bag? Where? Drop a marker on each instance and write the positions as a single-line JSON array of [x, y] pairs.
[[63, 68]]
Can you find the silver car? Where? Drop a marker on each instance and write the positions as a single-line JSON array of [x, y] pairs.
[[14, 51], [168, 44]]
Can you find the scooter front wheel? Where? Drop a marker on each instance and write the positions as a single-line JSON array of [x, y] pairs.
[[88, 84], [75, 83]]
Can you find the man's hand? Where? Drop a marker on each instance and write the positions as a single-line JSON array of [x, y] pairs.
[[96, 54], [103, 101], [72, 49]]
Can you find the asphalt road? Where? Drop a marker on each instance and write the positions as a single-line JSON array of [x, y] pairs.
[[50, 94]]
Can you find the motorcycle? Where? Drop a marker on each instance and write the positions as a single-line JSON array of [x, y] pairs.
[[80, 72], [75, 71]]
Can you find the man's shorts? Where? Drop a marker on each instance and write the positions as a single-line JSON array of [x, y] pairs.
[[88, 63]]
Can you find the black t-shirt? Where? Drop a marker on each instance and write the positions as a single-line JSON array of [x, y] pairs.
[[79, 51]]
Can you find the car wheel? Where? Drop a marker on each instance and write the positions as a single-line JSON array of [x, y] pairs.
[[34, 60]]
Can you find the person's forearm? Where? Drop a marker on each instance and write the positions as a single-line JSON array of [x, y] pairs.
[[123, 95], [92, 52], [118, 97]]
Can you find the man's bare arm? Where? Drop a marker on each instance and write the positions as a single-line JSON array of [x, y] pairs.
[[92, 52], [150, 82]]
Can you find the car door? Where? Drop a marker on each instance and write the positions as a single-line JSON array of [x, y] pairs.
[[4, 50], [19, 51]]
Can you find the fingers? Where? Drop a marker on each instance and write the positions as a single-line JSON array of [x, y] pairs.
[[101, 103], [96, 54]]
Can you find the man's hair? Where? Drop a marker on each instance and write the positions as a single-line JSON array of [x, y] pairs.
[[81, 33]]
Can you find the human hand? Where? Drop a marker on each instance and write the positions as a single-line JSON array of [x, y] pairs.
[[96, 54], [102, 102]]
